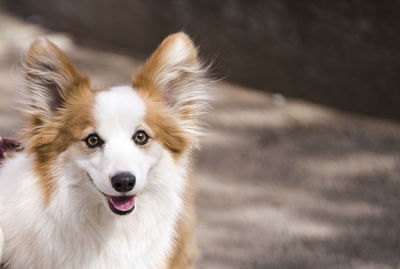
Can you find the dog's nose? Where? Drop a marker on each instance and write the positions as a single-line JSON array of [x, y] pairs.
[[123, 182]]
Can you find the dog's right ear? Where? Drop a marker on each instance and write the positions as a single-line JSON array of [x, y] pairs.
[[49, 78]]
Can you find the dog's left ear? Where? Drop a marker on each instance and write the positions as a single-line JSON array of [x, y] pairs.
[[175, 73]]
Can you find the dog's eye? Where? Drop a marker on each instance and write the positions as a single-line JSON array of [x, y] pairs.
[[93, 140], [141, 137]]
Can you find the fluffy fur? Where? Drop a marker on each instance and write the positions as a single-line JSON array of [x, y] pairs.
[[54, 196]]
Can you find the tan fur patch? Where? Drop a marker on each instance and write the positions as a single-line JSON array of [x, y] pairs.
[[185, 251], [159, 59], [59, 109], [58, 134], [164, 127], [161, 119]]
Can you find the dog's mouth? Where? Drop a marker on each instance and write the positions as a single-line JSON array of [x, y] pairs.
[[121, 205]]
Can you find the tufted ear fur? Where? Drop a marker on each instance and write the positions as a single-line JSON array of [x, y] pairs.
[[175, 73], [49, 78]]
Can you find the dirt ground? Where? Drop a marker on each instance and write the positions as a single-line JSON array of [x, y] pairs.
[[282, 183]]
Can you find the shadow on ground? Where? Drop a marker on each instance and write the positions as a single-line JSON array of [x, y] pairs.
[[295, 185], [282, 183]]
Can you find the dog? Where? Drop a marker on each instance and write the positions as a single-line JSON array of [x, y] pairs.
[[104, 180]]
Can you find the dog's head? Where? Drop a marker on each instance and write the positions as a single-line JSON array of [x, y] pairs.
[[113, 139]]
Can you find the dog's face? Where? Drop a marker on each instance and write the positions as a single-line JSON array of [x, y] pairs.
[[118, 150], [114, 137]]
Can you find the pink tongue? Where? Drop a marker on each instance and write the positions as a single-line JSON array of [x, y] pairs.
[[122, 203]]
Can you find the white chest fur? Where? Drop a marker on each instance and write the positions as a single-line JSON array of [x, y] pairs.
[[75, 232]]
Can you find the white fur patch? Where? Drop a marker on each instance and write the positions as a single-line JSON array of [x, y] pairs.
[[78, 230], [177, 53], [118, 113], [118, 110]]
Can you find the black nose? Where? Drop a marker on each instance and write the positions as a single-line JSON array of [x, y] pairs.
[[123, 182]]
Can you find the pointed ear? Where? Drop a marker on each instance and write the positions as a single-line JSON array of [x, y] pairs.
[[175, 73], [49, 78]]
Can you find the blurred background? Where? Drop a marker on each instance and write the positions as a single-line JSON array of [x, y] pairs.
[[301, 167]]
